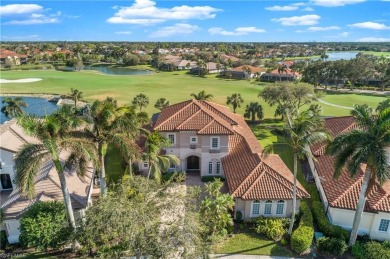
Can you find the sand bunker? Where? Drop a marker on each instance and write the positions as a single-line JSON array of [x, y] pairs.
[[25, 80]]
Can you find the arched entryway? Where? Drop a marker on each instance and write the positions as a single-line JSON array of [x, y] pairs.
[[193, 164]]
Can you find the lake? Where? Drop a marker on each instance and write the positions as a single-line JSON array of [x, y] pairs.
[[37, 106], [341, 55], [117, 70]]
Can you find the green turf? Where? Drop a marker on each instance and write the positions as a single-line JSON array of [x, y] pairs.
[[349, 100], [250, 244]]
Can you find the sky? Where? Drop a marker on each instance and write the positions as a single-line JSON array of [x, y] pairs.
[[196, 21]]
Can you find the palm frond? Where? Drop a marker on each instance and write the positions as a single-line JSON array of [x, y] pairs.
[[363, 115]]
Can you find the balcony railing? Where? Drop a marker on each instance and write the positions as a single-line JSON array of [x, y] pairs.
[[214, 151]]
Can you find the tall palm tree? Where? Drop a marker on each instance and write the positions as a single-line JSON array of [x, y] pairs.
[[56, 132], [114, 126], [75, 95], [202, 66], [367, 144], [202, 96], [253, 110], [141, 100], [161, 103], [305, 130], [235, 100], [157, 163], [13, 107], [281, 69]]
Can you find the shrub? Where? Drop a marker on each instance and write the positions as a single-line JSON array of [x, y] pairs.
[[210, 178], [273, 228], [376, 250], [3, 239], [238, 216], [173, 176], [324, 225], [358, 250], [45, 226], [332, 246], [306, 218], [301, 239]]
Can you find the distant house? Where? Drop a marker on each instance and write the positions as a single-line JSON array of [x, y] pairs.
[[274, 75], [47, 184], [241, 72], [186, 64], [340, 196], [211, 68], [210, 140], [16, 59]]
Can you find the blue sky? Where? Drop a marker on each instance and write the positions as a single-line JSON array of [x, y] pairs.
[[148, 20]]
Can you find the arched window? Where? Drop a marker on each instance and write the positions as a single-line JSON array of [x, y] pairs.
[[256, 208], [280, 208], [268, 207]]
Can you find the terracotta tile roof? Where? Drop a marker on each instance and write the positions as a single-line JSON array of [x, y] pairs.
[[248, 175], [8, 53], [253, 69], [343, 192], [47, 184]]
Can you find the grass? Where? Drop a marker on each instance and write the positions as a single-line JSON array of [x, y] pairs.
[[349, 100], [250, 244]]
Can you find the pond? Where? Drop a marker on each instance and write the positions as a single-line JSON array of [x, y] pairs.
[[332, 56], [117, 70], [36, 106]]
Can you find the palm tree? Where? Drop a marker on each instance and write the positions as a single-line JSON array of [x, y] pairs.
[[161, 103], [305, 130], [253, 110], [235, 100], [324, 56], [202, 96], [75, 95], [281, 69], [56, 132], [157, 163], [13, 107], [114, 126], [141, 100], [202, 66], [367, 144]]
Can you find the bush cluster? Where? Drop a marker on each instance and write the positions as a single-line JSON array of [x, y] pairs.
[[3, 240], [332, 246], [371, 249], [325, 226], [302, 237], [273, 228], [210, 178]]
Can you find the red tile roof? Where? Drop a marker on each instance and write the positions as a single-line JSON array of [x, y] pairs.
[[343, 192], [249, 176]]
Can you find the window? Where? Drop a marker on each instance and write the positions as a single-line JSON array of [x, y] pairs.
[[210, 167], [193, 140], [280, 208], [171, 138], [214, 142], [255, 208], [172, 166], [146, 164], [268, 207], [384, 225], [218, 168]]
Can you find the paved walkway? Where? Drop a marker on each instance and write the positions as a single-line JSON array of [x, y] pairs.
[[334, 105], [239, 256]]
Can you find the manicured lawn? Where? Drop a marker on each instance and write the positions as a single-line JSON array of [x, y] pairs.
[[349, 100], [250, 244]]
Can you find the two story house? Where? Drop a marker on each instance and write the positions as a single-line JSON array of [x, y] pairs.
[[210, 140], [47, 184], [340, 196]]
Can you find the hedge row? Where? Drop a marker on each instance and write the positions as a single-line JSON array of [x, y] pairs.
[[332, 246], [324, 225], [210, 178], [371, 249], [302, 237]]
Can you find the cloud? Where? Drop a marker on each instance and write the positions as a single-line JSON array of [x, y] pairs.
[[308, 9], [237, 32], [330, 28], [177, 29], [281, 8], [334, 3], [123, 32], [13, 9], [344, 34], [36, 20], [373, 39], [370, 25], [21, 38], [146, 12], [298, 20]]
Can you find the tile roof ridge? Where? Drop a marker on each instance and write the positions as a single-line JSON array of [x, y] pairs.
[[189, 118], [215, 116], [244, 181], [213, 105], [257, 179], [348, 190], [12, 131], [382, 199], [210, 123], [176, 113]]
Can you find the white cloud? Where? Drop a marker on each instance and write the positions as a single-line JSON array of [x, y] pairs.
[[334, 3], [20, 38], [146, 12], [177, 29], [13, 9], [36, 20], [281, 8], [370, 25], [344, 34], [123, 32], [236, 32], [298, 4], [310, 19], [308, 9], [373, 39], [329, 28]]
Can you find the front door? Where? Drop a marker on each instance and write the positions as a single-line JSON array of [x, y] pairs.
[[5, 180], [193, 164]]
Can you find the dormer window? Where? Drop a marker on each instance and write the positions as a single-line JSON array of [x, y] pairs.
[[214, 143]]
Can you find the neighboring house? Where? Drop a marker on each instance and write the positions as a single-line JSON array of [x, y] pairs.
[[16, 59], [340, 196], [274, 75], [186, 64], [210, 140], [211, 68], [47, 184], [241, 72]]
